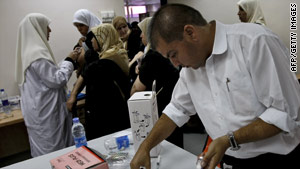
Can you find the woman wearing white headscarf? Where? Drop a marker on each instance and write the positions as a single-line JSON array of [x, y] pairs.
[[84, 20], [250, 11], [42, 86]]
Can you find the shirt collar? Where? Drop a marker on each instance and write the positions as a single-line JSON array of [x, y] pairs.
[[220, 41]]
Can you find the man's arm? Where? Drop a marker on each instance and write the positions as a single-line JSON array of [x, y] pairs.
[[161, 130], [255, 131]]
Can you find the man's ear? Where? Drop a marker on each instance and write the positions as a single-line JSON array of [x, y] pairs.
[[189, 31]]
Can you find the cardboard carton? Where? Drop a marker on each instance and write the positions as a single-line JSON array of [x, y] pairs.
[[143, 115], [80, 158]]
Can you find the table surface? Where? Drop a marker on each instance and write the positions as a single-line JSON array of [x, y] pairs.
[[172, 157], [16, 118]]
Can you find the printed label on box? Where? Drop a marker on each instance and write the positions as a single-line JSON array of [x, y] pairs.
[[143, 115], [80, 158]]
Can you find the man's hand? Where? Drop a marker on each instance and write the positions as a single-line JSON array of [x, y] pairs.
[[255, 131], [161, 130], [215, 153], [141, 158]]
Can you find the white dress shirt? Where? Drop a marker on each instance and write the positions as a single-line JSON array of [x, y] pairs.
[[43, 102], [246, 77]]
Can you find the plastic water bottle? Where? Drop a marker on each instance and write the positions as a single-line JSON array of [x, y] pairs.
[[1, 110], [5, 103], [78, 133]]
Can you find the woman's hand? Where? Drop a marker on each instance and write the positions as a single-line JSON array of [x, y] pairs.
[[82, 39], [136, 57], [75, 54]]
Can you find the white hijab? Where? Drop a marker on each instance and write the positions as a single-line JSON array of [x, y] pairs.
[[87, 18], [253, 10], [32, 43]]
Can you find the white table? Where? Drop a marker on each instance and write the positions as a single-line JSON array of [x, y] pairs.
[[172, 157]]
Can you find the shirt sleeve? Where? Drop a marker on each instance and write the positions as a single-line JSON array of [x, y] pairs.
[[181, 107], [276, 86], [51, 75]]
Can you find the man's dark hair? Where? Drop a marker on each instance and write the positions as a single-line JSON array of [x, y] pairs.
[[168, 23]]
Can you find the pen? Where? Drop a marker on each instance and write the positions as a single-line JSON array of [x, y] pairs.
[[159, 91], [227, 81], [158, 162]]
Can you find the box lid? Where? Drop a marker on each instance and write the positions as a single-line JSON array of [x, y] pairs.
[[145, 95]]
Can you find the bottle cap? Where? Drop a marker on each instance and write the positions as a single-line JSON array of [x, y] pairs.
[[1, 90], [75, 120]]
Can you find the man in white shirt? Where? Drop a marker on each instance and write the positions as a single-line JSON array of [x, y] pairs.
[[237, 79]]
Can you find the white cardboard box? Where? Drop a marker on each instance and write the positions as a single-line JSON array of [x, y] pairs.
[[143, 115]]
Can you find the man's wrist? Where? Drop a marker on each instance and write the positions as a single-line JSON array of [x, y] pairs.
[[146, 146], [233, 143], [226, 141]]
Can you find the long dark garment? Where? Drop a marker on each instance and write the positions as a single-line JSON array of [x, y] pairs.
[[107, 91], [266, 161]]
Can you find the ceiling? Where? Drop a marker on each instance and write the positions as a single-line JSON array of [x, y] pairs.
[[141, 2]]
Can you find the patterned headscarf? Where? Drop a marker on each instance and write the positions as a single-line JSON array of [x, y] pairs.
[[111, 47], [120, 21], [253, 11]]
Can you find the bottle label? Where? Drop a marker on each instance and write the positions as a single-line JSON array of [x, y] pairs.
[[122, 142], [80, 141], [5, 102]]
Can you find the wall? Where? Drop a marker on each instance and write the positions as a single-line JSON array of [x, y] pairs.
[[62, 38], [64, 35], [276, 12]]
